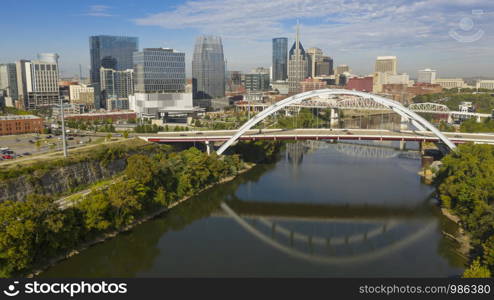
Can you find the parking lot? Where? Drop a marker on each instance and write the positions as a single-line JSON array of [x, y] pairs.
[[16, 146]]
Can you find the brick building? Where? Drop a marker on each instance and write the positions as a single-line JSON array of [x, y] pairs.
[[20, 124], [362, 84]]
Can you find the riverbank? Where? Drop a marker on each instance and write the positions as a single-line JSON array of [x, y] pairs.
[[462, 237], [109, 235]]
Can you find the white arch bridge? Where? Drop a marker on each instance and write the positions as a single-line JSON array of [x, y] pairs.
[[426, 132], [378, 101]]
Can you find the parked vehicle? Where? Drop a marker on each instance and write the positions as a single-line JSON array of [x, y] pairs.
[[6, 156], [26, 153]]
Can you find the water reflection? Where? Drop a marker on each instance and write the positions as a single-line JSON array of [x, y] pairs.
[[318, 211]]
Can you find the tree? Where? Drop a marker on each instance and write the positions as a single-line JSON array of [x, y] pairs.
[[476, 270], [126, 134], [140, 168], [96, 211], [126, 199]]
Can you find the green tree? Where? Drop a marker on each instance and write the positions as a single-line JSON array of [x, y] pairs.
[[126, 199], [476, 270]]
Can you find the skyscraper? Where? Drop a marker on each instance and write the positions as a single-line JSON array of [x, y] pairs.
[[319, 65], [208, 70], [280, 58], [37, 81], [116, 86], [114, 52], [159, 70], [386, 64], [297, 64]]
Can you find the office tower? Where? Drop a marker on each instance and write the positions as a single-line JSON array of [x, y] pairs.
[[386, 64], [426, 76], [297, 64], [116, 86], [319, 65], [208, 70], [257, 81], [8, 81], [280, 59], [37, 81], [159, 70], [113, 52]]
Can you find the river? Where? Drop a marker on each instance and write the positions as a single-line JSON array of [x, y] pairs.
[[323, 209]]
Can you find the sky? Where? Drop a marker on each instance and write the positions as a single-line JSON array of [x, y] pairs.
[[455, 37]]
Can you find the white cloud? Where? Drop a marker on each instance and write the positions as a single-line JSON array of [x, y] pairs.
[[98, 11], [337, 26]]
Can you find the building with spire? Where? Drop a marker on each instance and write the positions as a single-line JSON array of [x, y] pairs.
[[298, 68]]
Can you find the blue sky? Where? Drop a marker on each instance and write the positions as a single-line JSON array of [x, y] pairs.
[[453, 36]]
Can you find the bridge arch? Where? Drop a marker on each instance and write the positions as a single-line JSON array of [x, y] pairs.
[[417, 120]]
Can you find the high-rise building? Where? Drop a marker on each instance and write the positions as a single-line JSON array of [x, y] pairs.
[[426, 76], [159, 70], [208, 70], [386, 64], [113, 52], [37, 81], [280, 58], [297, 64], [257, 81], [116, 86], [319, 64], [8, 81]]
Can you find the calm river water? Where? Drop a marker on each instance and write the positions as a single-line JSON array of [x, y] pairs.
[[323, 209]]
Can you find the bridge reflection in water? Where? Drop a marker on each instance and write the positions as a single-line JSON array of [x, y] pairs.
[[324, 209]]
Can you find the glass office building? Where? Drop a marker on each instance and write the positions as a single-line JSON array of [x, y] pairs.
[[280, 59], [113, 52], [159, 70], [208, 69]]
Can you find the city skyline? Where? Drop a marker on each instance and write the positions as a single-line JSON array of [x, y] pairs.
[[421, 34]]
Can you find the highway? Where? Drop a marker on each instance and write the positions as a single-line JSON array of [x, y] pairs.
[[316, 134]]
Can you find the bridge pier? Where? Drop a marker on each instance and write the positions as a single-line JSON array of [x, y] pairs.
[[404, 123], [450, 119], [208, 147], [478, 119], [334, 118], [403, 145]]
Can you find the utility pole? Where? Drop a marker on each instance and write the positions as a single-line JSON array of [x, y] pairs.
[[64, 141]]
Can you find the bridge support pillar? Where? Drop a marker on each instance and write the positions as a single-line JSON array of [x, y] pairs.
[[334, 118], [450, 119], [403, 145], [208, 147], [404, 123], [478, 119]]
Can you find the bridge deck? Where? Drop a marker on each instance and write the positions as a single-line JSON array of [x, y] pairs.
[[316, 134]]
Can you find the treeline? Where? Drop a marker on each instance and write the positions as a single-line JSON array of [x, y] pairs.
[[466, 186], [483, 103], [471, 125], [33, 231]]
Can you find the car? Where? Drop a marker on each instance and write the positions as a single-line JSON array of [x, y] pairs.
[[31, 141], [70, 138], [81, 142], [26, 153], [183, 134], [199, 133], [457, 136], [6, 156], [49, 137]]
